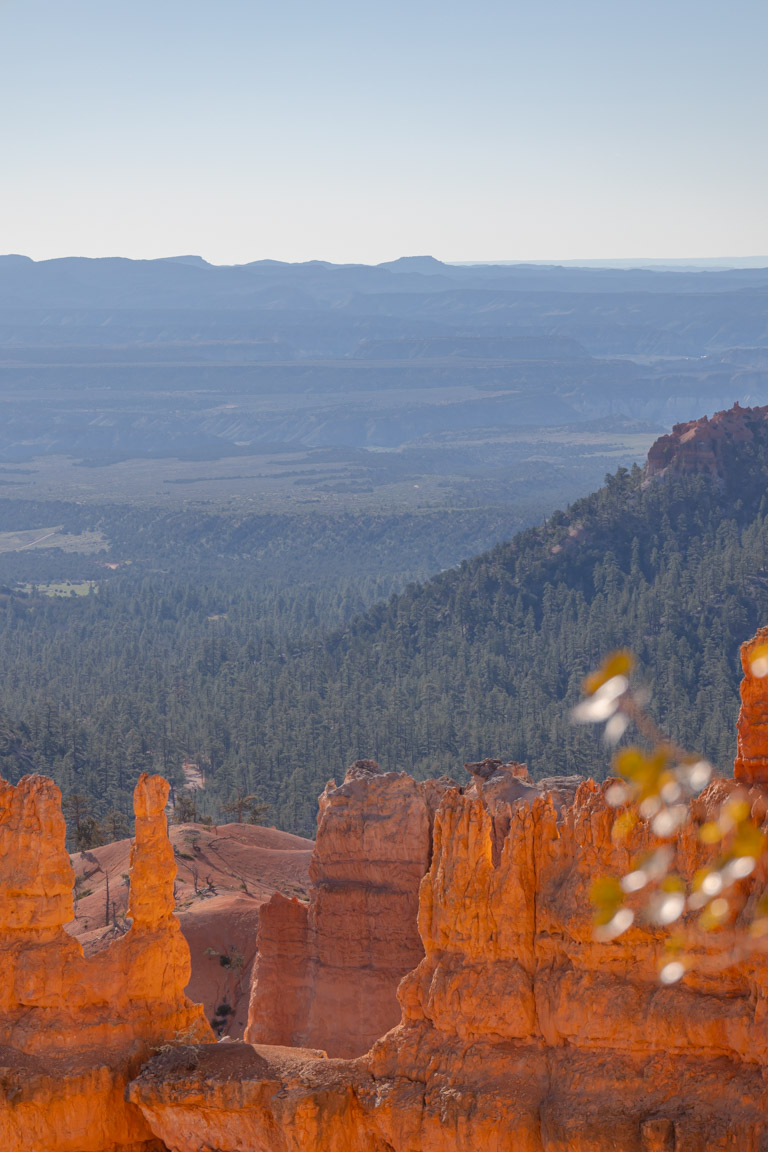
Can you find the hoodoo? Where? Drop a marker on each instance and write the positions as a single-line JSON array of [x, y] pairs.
[[75, 1030], [518, 1031]]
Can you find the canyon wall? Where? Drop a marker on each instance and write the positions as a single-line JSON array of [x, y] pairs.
[[74, 1029], [519, 1032], [327, 973]]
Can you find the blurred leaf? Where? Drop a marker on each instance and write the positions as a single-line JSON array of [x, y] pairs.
[[619, 663], [710, 833], [748, 841], [629, 762], [623, 824], [736, 811], [672, 971], [758, 661], [699, 878], [606, 896]]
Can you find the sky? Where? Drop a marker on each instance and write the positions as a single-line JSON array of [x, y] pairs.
[[367, 130]]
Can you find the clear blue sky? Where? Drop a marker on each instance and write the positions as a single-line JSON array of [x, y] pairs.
[[367, 130]]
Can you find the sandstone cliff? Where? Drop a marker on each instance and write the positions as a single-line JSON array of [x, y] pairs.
[[700, 445], [75, 1029], [519, 1032], [327, 973]]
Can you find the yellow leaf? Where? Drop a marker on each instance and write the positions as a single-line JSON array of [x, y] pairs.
[[606, 894], [710, 833], [758, 661], [623, 824], [630, 762], [619, 663], [736, 810], [748, 841], [713, 915]]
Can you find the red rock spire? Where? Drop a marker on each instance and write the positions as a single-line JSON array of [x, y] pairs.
[[751, 766]]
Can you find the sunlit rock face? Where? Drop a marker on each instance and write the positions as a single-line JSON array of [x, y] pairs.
[[751, 765], [74, 1030], [327, 973], [700, 445], [518, 1032]]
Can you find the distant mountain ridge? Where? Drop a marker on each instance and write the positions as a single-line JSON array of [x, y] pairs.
[[110, 359], [196, 283]]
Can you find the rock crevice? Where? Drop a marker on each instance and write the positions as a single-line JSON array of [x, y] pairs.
[[327, 972]]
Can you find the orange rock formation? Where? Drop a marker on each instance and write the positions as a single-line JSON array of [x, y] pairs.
[[751, 765], [327, 973], [519, 1032], [699, 445], [75, 1029], [225, 873]]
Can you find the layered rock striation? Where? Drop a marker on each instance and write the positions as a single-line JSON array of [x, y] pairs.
[[327, 972], [74, 1029], [701, 445], [519, 1032]]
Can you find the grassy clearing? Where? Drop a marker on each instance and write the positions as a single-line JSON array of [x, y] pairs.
[[62, 588], [52, 537]]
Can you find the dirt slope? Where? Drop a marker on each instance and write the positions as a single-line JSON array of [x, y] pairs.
[[225, 874]]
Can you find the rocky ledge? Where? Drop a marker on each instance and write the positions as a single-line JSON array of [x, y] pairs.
[[701, 445]]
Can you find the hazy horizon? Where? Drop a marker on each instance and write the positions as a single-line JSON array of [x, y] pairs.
[[715, 263]]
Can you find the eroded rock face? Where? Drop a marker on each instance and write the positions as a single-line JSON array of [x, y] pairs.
[[327, 972], [74, 1030], [699, 445], [224, 874], [519, 1031], [751, 765]]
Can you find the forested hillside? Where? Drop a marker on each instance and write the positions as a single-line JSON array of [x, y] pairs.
[[274, 689]]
